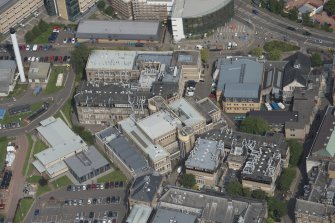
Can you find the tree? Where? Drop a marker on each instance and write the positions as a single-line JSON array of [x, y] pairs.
[[235, 188], [274, 54], [79, 58], [188, 180], [257, 52], [109, 11], [277, 208], [29, 37], [286, 178], [293, 14], [43, 26], [329, 7], [101, 5], [84, 134], [253, 125], [316, 60], [258, 194], [36, 31], [204, 55], [42, 181], [296, 149], [306, 19]]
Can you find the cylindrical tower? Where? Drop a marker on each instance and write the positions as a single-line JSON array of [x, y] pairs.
[[186, 141], [17, 54]]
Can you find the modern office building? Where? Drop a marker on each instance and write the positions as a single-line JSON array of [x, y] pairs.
[[15, 11], [196, 17], [152, 9], [7, 76]]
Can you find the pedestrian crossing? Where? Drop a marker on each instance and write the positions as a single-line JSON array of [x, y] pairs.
[[232, 28]]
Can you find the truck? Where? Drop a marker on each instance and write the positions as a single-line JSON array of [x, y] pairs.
[[35, 47], [216, 47]]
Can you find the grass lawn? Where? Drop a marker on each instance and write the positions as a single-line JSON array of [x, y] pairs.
[[33, 179], [43, 37], [280, 45], [51, 87], [23, 209], [26, 160], [61, 182], [116, 175], [42, 190], [3, 148], [66, 109], [39, 146]]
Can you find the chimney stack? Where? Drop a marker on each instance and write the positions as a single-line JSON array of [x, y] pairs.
[[17, 54]]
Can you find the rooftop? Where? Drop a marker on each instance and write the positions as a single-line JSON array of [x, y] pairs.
[[205, 107], [276, 117], [145, 187], [213, 207], [313, 208], [111, 60], [7, 71], [206, 155], [84, 162], [6, 4], [165, 89], [185, 57], [38, 70], [165, 215], [196, 8], [139, 214]]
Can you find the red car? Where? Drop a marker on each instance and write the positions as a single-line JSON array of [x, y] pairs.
[[60, 59], [51, 59]]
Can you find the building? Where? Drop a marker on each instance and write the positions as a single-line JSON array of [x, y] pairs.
[[123, 7], [62, 142], [213, 207], [104, 31], [87, 164], [122, 153], [7, 77], [14, 12], [152, 9], [239, 84], [196, 17], [144, 190], [276, 119], [97, 103], [68, 9], [204, 162], [166, 215], [307, 211], [139, 213], [38, 74]]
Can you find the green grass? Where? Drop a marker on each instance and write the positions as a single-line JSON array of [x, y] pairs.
[[39, 146], [43, 37], [61, 182], [3, 148], [19, 89], [23, 209], [51, 87], [26, 160], [33, 179], [116, 175], [280, 45], [66, 109], [40, 189]]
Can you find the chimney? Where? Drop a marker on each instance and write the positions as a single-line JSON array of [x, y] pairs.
[[17, 54]]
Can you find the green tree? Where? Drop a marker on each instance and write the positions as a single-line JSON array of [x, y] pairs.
[[29, 37], [109, 11], [306, 19], [293, 14], [276, 6], [253, 125], [274, 54], [188, 180], [258, 194], [79, 58], [270, 220], [329, 7], [101, 5], [286, 178], [42, 181], [84, 134], [36, 31], [257, 52], [296, 149], [204, 55], [235, 188], [316, 60], [277, 208], [43, 26]]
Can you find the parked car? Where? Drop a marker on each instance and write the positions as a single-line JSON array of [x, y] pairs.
[[60, 59], [36, 212], [306, 33], [65, 59], [46, 59], [56, 58], [73, 40]]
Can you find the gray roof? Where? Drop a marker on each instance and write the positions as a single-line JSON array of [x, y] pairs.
[[6, 4], [165, 89], [240, 77], [314, 208], [7, 71], [196, 8], [139, 214], [206, 155], [38, 70], [145, 187], [85, 162], [214, 207], [118, 29], [276, 117], [306, 8], [185, 57], [165, 215], [111, 60]]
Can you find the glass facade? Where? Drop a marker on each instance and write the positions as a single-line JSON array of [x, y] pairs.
[[210, 21], [73, 10], [50, 7]]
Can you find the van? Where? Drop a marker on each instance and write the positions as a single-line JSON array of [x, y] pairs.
[[35, 47], [199, 47]]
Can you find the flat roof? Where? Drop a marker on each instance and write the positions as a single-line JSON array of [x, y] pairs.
[[111, 60], [158, 124], [165, 215], [276, 117], [38, 70], [2, 113], [139, 213], [145, 187], [7, 71], [186, 112], [205, 155], [6, 4], [85, 162], [196, 8]]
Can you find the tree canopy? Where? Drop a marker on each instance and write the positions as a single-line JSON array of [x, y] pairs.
[[79, 58], [286, 178], [235, 188], [204, 55], [296, 149], [254, 125], [316, 60], [277, 208], [109, 10], [329, 7], [258, 194], [274, 54], [293, 14], [101, 5], [188, 180], [257, 52]]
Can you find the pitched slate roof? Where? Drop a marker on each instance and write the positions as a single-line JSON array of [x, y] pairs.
[[299, 65]]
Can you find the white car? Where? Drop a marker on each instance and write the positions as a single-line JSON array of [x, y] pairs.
[[33, 59], [27, 48], [65, 40], [89, 201], [37, 59], [84, 187], [73, 40], [235, 34], [29, 59]]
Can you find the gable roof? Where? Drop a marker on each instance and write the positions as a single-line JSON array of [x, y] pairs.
[[297, 67]]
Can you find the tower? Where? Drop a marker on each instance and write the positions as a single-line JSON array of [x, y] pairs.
[[17, 54]]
